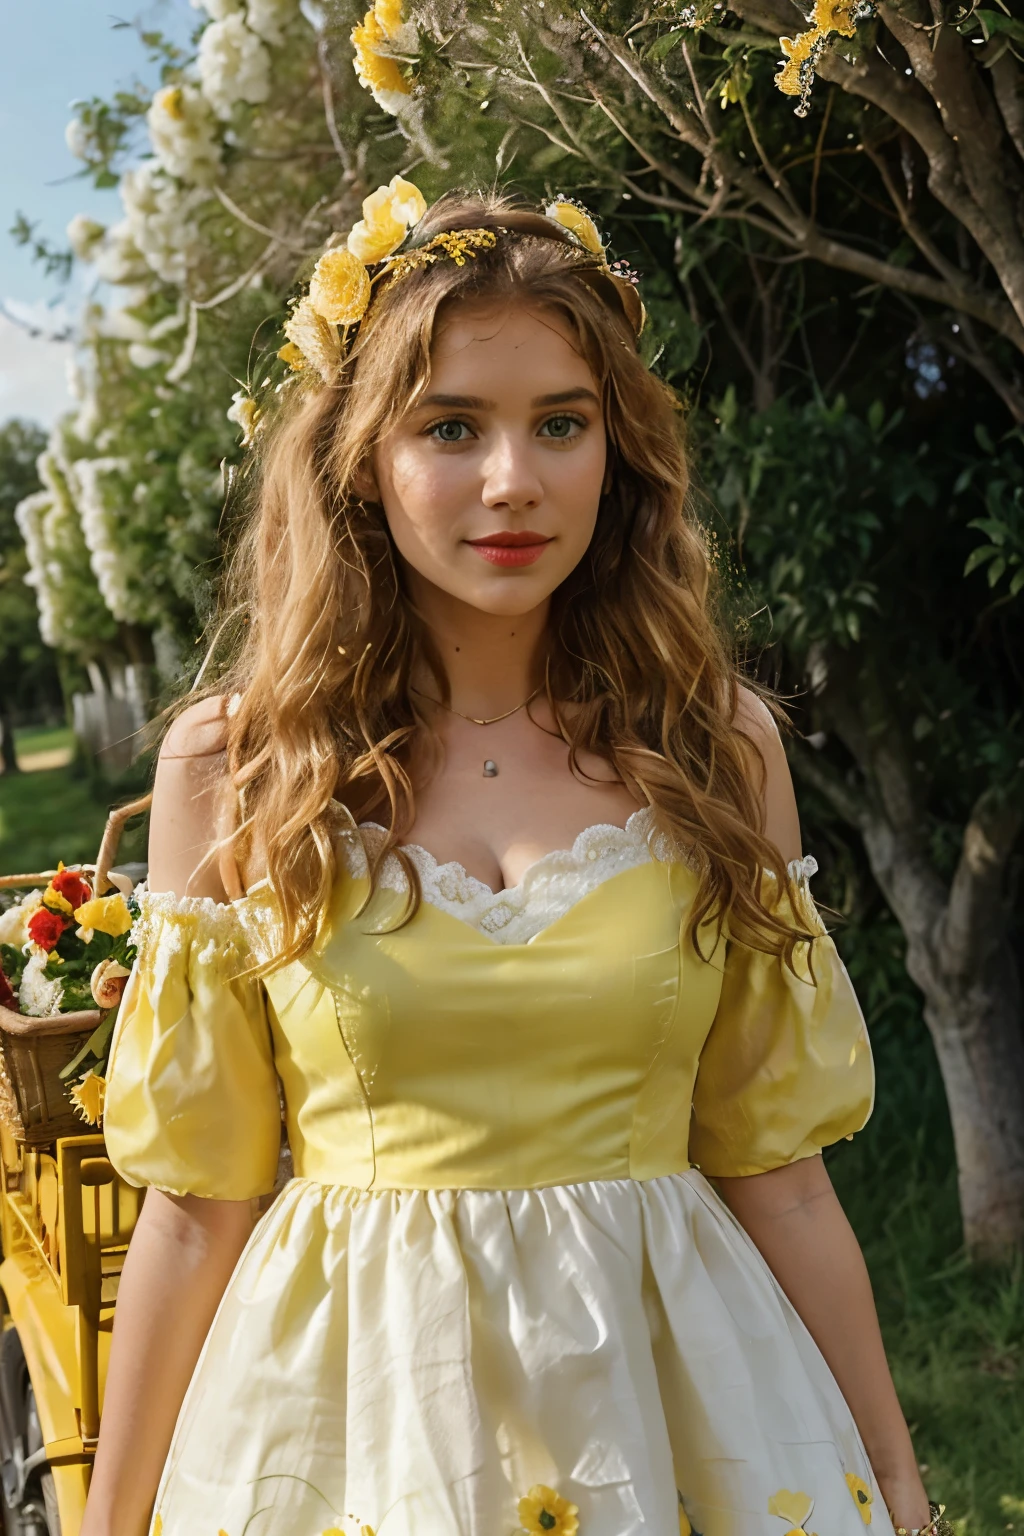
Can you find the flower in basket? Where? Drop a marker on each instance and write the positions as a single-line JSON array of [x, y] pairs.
[[106, 914], [88, 1097], [7, 997], [107, 983], [46, 926], [66, 891]]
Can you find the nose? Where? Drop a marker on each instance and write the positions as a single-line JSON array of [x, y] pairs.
[[510, 481]]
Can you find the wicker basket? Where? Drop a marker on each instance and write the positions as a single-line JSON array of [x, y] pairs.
[[34, 1101]]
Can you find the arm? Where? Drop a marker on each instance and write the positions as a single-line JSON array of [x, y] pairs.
[[184, 1249], [793, 1217]]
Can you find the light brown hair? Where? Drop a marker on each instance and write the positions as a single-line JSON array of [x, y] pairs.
[[638, 670]]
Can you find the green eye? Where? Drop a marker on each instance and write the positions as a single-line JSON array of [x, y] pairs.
[[562, 426], [448, 431]]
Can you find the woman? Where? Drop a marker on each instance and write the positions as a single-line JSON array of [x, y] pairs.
[[500, 1293]]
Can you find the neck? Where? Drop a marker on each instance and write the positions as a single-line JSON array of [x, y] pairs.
[[493, 662]]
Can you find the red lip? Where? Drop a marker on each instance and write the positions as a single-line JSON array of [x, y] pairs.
[[507, 548]]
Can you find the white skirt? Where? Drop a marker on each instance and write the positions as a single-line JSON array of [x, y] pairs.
[[418, 1361]]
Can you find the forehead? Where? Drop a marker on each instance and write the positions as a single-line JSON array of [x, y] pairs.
[[496, 336]]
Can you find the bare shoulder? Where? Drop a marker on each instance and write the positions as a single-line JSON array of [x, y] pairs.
[[200, 731], [189, 815], [759, 725]]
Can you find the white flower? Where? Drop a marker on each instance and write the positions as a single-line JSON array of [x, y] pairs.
[[118, 258], [160, 217], [184, 133], [78, 139], [141, 356], [245, 413], [84, 235], [217, 9], [269, 18], [14, 922], [37, 994], [101, 509], [234, 65]]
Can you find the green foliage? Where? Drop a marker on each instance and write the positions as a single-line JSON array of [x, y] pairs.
[[1000, 477], [27, 666]]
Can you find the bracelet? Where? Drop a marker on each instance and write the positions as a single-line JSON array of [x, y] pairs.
[[936, 1526]]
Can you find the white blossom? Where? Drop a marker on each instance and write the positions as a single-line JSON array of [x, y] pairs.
[[217, 9], [160, 216], [118, 258], [37, 994], [14, 922], [184, 133], [32, 515], [78, 139], [84, 236], [234, 65], [100, 509], [269, 18]]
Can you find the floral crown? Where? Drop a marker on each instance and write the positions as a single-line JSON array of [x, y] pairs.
[[324, 320]]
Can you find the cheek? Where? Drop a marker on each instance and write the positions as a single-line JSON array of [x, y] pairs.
[[414, 485]]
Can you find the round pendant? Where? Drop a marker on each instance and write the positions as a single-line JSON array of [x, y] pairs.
[[490, 769]]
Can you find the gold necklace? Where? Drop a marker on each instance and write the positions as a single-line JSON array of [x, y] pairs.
[[490, 766]]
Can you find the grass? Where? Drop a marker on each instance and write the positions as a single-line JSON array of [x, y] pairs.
[[43, 739], [60, 813], [954, 1332]]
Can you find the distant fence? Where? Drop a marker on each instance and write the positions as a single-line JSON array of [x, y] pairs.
[[107, 721]]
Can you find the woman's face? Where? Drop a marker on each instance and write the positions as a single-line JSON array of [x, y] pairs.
[[491, 482]]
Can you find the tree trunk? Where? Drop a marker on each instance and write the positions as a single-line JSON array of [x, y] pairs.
[[976, 1029], [8, 751], [958, 953]]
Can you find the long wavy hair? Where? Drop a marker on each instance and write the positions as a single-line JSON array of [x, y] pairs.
[[328, 642]]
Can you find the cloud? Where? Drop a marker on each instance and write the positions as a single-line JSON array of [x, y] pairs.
[[33, 370]]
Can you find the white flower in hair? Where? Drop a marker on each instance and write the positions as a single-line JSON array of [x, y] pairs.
[[184, 133], [269, 18]]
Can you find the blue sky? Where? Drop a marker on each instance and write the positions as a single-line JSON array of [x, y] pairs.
[[54, 52]]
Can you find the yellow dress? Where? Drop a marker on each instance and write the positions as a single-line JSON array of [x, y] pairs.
[[500, 1265]]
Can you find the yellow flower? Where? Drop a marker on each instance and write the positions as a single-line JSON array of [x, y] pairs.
[[316, 340], [388, 215], [171, 101], [378, 72], [577, 223], [107, 914], [794, 1507], [158, 1526], [544, 1513], [863, 1495], [798, 52], [834, 16], [339, 289], [88, 1097], [291, 355], [685, 1528], [245, 413]]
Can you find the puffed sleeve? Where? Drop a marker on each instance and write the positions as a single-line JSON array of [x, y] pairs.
[[192, 1099], [786, 1068]]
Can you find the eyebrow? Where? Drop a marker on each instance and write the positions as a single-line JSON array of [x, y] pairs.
[[478, 403]]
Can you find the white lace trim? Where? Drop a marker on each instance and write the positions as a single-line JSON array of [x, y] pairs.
[[232, 934], [548, 889]]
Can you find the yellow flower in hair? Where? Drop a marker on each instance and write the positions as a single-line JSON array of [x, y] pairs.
[[315, 339], [798, 51], [291, 355], [862, 1494], [577, 223], [834, 16], [544, 1513], [794, 1508], [339, 289], [172, 101], [388, 215], [383, 28]]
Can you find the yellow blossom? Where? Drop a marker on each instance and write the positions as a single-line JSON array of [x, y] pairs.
[[794, 1507], [834, 16], [172, 101], [245, 413], [291, 355], [798, 51], [862, 1494], [378, 72], [316, 340], [685, 1528], [339, 289], [107, 983], [577, 223], [107, 914], [88, 1097], [388, 215], [544, 1513]]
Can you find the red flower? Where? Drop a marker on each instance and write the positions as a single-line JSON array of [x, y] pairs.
[[45, 927], [7, 997], [69, 884]]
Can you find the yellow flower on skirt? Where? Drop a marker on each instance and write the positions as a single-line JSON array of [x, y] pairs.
[[863, 1495], [794, 1508], [544, 1513]]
